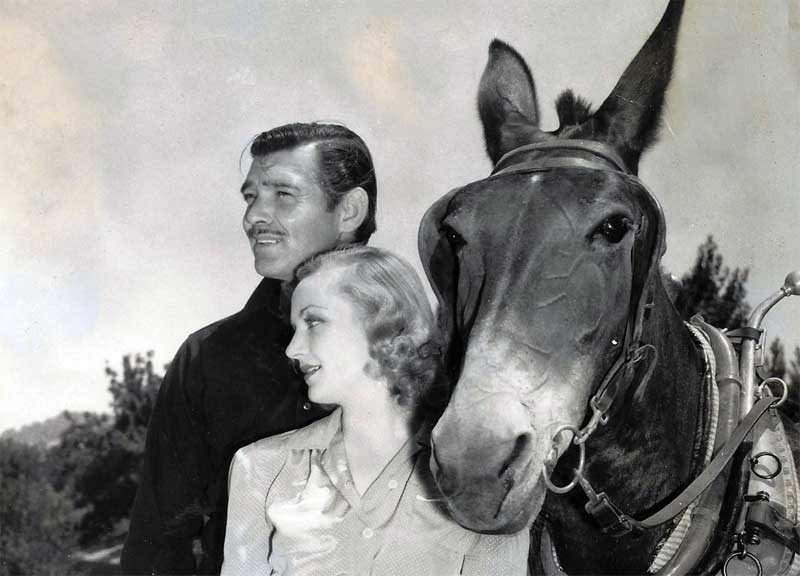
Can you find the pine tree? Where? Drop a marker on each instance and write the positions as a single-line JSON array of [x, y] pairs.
[[713, 290]]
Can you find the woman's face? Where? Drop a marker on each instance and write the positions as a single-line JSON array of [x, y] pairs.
[[329, 343]]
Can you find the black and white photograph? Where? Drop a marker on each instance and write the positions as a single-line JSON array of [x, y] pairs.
[[420, 288]]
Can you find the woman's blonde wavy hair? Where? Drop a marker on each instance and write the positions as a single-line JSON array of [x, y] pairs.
[[399, 324]]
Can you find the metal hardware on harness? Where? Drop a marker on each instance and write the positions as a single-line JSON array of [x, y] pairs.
[[756, 337], [765, 520], [769, 475], [765, 386], [747, 361], [617, 382], [741, 554], [550, 462]]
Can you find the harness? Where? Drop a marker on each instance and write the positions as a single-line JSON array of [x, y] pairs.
[[761, 518]]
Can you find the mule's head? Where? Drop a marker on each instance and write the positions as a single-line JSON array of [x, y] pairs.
[[540, 272]]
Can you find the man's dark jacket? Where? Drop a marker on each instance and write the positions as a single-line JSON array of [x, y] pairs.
[[229, 384]]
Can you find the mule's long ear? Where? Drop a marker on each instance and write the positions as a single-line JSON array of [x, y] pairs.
[[507, 101], [628, 120]]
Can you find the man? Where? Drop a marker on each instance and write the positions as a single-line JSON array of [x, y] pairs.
[[310, 188]]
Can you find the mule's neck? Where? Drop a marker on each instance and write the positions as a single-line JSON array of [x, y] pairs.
[[641, 458]]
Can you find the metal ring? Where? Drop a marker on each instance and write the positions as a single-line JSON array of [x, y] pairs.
[[754, 463], [581, 460], [742, 557], [765, 384]]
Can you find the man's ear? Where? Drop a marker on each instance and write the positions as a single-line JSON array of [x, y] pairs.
[[352, 211]]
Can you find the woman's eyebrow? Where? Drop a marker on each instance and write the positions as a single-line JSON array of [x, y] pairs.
[[303, 311]]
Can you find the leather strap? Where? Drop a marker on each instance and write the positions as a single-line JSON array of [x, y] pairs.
[[543, 164], [613, 521], [598, 149]]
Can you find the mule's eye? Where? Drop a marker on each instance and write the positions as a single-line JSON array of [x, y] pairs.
[[613, 228], [455, 239]]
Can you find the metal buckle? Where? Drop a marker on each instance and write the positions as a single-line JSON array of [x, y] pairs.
[[760, 391]]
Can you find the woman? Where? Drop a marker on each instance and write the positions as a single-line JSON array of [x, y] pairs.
[[352, 493]]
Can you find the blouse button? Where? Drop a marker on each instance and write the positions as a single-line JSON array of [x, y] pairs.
[[392, 484], [368, 533], [306, 406]]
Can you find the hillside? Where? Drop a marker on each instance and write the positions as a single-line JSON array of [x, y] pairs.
[[46, 432]]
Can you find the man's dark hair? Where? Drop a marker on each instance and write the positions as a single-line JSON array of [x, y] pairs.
[[344, 162]]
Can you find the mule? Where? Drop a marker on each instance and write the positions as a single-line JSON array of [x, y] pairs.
[[547, 276]]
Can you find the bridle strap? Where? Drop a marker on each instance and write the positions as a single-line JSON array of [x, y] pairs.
[[543, 164], [597, 149]]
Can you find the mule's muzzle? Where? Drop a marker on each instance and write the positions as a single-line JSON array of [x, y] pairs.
[[483, 467]]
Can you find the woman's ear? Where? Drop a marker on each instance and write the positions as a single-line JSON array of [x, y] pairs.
[[352, 211]]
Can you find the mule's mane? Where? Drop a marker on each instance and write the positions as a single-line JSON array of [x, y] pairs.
[[572, 110]]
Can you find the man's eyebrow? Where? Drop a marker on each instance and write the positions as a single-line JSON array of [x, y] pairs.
[[277, 182]]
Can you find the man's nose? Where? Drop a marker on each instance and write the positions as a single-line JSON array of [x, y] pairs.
[[261, 210]]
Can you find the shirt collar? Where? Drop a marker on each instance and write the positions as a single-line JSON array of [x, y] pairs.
[[266, 295], [317, 436], [320, 434]]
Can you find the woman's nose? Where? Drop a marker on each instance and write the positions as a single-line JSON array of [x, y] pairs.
[[295, 348]]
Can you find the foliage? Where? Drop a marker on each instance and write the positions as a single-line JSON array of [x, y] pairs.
[[134, 394], [713, 290], [99, 457], [36, 521], [45, 433]]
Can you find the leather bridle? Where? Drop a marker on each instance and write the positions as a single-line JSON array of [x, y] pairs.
[[648, 249], [626, 370]]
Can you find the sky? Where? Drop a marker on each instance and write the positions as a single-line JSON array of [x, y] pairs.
[[123, 125]]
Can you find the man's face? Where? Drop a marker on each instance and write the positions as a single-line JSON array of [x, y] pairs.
[[287, 218]]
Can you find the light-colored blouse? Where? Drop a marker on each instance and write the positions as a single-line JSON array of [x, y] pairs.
[[293, 509]]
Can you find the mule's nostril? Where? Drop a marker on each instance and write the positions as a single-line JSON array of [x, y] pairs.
[[435, 466], [520, 445]]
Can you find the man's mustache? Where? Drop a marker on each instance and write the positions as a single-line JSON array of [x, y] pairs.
[[257, 230]]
